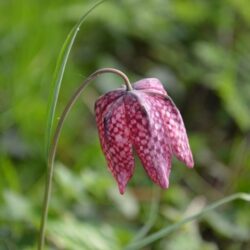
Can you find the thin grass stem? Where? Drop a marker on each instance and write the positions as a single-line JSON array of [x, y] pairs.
[[59, 73], [169, 229], [52, 151], [152, 215]]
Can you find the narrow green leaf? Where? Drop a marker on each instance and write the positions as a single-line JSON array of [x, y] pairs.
[[152, 215], [169, 229], [59, 73], [57, 80]]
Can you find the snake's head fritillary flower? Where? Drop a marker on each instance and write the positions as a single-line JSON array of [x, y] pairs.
[[144, 120]]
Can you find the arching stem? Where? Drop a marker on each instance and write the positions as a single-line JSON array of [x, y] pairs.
[[55, 140]]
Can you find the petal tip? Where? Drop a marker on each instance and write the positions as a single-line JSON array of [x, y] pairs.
[[122, 179], [122, 188], [164, 183], [121, 191], [190, 162], [190, 165]]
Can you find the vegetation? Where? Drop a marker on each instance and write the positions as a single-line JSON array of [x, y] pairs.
[[199, 49]]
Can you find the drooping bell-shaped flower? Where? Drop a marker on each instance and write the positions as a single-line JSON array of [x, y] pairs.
[[144, 120]]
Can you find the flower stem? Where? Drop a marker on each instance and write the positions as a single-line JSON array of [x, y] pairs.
[[55, 139], [59, 72], [167, 230]]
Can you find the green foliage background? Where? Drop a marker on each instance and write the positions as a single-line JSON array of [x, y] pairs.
[[201, 52]]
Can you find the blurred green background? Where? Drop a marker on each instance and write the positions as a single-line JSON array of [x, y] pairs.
[[201, 52]]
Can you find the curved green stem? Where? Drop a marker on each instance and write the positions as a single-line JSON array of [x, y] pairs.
[[59, 72], [55, 139], [167, 230]]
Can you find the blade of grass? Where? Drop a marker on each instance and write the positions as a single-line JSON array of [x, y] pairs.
[[56, 85], [52, 149], [58, 75], [152, 215], [167, 230]]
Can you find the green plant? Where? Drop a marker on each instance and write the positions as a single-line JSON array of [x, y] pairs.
[[139, 241]]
